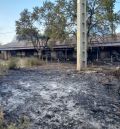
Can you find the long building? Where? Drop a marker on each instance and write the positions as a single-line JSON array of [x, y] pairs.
[[66, 51]]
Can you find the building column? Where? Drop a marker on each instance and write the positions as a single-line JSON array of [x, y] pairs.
[[81, 35], [5, 55]]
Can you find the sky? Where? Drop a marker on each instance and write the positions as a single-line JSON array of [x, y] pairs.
[[9, 13]]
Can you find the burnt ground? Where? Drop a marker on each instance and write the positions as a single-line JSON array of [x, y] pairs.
[[55, 99]]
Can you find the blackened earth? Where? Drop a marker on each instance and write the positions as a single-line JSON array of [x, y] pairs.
[[54, 99]]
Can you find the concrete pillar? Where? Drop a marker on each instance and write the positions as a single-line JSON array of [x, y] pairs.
[[5, 55], [9, 54], [66, 55], [23, 54], [97, 54], [81, 35]]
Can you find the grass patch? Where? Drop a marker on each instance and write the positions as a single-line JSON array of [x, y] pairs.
[[29, 62], [3, 68], [15, 63]]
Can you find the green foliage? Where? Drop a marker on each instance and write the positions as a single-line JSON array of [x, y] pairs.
[[27, 30], [101, 18], [59, 18]]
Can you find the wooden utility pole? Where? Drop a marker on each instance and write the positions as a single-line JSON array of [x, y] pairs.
[[81, 35]]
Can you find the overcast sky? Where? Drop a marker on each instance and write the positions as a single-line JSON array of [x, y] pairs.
[[9, 13]]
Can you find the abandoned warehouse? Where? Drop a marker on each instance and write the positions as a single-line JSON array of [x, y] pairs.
[[96, 51]]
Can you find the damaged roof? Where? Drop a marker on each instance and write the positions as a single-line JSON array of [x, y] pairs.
[[20, 45], [17, 45]]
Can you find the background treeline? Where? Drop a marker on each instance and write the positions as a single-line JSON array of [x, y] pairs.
[[57, 20]]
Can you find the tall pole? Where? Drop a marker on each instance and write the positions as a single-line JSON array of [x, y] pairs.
[[81, 35]]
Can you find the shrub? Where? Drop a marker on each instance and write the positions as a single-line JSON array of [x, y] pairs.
[[35, 62], [29, 62], [12, 63], [3, 68], [15, 63]]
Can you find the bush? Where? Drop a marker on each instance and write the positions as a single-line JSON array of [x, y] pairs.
[[3, 68], [12, 63], [34, 62], [15, 63], [29, 62]]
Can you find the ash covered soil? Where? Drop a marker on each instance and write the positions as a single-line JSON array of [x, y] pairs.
[[55, 99]]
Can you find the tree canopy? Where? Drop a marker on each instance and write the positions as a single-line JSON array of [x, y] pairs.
[[58, 19], [26, 30]]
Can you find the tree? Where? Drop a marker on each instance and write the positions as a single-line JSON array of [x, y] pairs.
[[101, 18], [26, 30], [59, 18]]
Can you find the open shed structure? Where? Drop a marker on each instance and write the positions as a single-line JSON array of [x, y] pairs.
[[21, 49], [103, 51], [64, 52]]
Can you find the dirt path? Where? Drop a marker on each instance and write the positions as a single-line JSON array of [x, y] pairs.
[[55, 99]]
